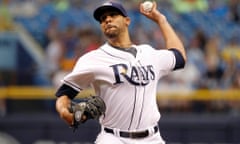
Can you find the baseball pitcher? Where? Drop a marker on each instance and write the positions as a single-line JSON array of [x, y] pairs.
[[125, 78]]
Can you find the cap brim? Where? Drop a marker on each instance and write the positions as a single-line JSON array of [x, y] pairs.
[[101, 10]]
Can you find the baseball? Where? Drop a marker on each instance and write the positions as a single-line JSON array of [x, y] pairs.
[[147, 6]]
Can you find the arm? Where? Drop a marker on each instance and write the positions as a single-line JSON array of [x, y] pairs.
[[170, 36], [64, 95], [62, 105], [76, 113]]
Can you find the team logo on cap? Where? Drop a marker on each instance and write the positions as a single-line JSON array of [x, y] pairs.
[[107, 4]]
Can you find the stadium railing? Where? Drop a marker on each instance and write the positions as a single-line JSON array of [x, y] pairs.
[[32, 92]]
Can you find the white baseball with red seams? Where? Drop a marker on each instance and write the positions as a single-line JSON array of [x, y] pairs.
[[147, 6]]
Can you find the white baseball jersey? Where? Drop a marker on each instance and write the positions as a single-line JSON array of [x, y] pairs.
[[126, 83]]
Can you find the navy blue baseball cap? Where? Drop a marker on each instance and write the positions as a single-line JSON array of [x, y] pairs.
[[109, 6]]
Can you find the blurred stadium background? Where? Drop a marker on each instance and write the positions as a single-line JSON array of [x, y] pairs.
[[40, 41]]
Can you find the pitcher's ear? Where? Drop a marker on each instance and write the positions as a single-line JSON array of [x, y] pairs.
[[128, 20]]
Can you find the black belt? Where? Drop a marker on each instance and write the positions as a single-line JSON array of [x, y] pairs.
[[140, 134]]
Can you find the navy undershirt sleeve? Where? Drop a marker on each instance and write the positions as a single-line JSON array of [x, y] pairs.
[[180, 62], [66, 90]]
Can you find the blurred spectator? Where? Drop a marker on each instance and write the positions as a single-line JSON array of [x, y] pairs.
[[52, 29], [232, 49], [231, 56], [214, 70], [196, 51], [54, 54], [201, 39], [234, 10], [6, 19], [229, 73], [88, 40], [69, 39], [213, 78]]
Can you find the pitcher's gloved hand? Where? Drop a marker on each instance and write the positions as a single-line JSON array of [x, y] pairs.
[[90, 108]]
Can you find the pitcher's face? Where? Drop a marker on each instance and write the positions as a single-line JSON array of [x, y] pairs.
[[113, 24]]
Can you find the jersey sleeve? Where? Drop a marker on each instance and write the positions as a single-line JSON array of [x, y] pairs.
[[166, 61], [82, 74], [163, 60], [170, 60]]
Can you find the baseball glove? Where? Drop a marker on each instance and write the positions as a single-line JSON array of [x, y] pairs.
[[90, 108]]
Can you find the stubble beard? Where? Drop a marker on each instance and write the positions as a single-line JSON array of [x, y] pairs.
[[111, 35]]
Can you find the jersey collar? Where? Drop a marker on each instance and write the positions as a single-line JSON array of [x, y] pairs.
[[119, 52]]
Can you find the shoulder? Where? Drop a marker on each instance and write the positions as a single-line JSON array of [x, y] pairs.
[[149, 48], [143, 46]]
